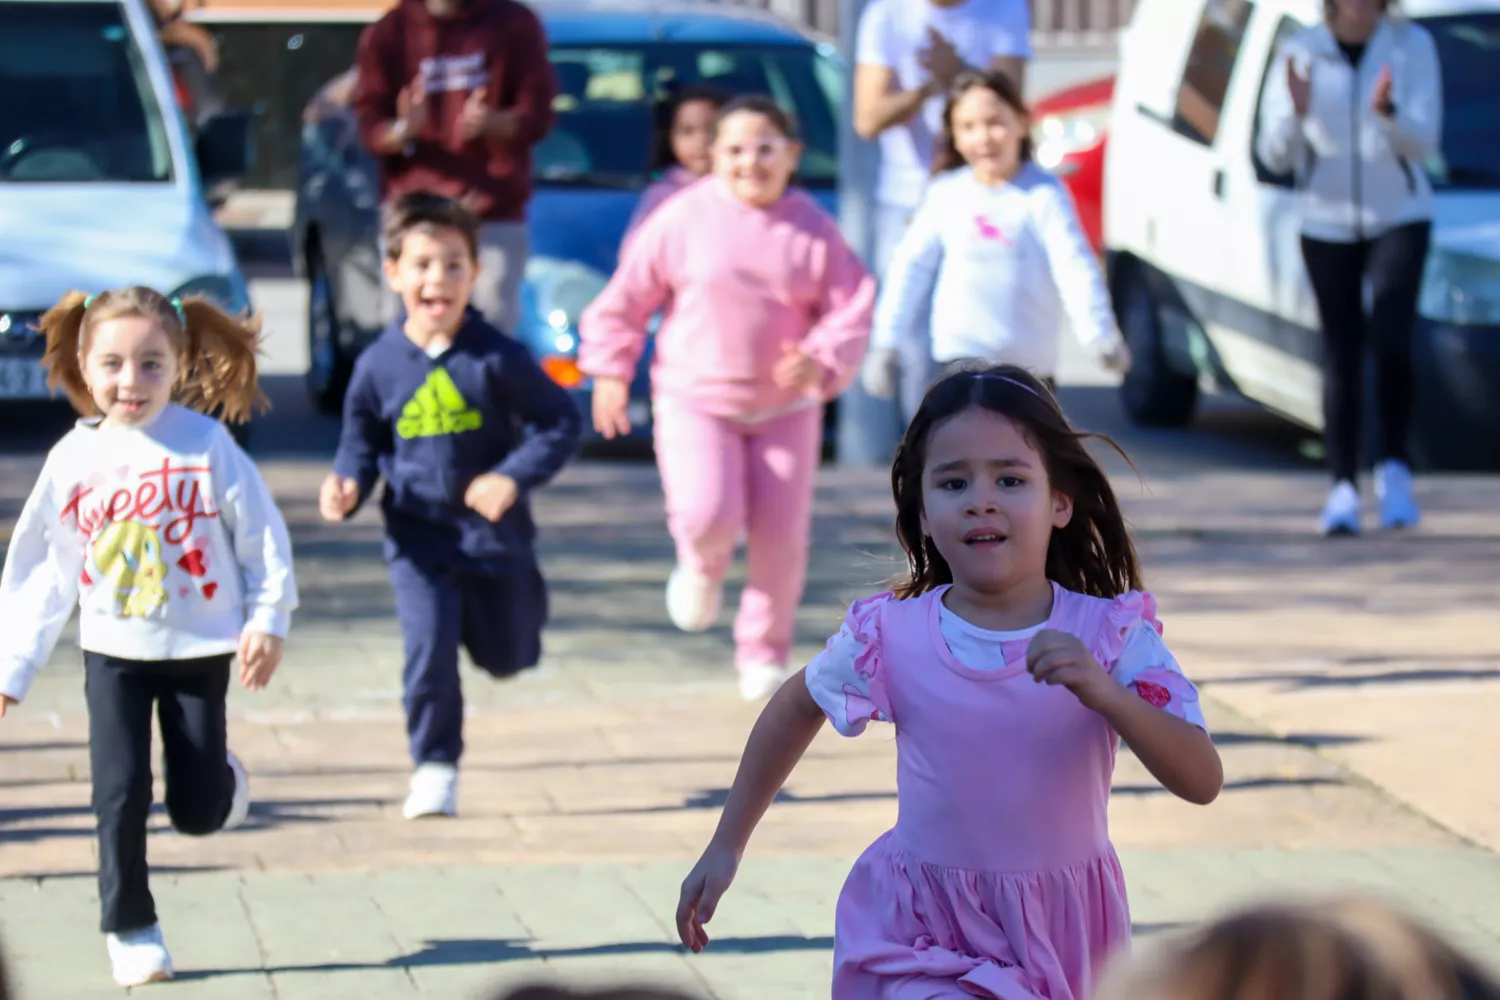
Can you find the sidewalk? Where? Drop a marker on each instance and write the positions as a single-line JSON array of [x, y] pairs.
[[1348, 685]]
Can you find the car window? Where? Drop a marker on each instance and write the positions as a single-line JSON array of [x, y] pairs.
[[1285, 28], [78, 105], [1210, 64], [1468, 48], [606, 96]]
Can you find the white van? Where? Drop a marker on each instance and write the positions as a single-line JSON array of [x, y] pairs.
[[100, 185], [1202, 240]]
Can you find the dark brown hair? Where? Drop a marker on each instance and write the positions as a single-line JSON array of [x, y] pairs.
[[1092, 555], [1341, 949], [426, 212], [617, 993], [766, 107], [946, 156], [216, 352], [666, 110]]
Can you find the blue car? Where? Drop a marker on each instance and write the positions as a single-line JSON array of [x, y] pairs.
[[613, 63]]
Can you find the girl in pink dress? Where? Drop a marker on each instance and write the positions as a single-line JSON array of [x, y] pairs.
[[682, 147], [1013, 658]]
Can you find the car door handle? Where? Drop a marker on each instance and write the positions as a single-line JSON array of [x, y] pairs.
[[1219, 183]]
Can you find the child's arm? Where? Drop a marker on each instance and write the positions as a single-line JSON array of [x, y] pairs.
[[548, 414], [838, 339], [782, 734], [365, 436], [38, 588], [1077, 275], [904, 308], [612, 330]]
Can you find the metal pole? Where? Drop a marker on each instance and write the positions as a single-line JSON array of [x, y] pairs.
[[868, 428]]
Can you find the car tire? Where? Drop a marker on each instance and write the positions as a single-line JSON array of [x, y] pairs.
[[1153, 393], [328, 367]]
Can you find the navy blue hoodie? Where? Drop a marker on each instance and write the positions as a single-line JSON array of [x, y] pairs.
[[429, 426]]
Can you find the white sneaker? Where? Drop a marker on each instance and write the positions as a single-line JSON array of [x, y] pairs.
[[761, 680], [1341, 511], [693, 599], [239, 808], [434, 791], [1398, 507], [139, 957]]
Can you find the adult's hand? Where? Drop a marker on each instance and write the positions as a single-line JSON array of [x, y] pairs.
[[1300, 87]]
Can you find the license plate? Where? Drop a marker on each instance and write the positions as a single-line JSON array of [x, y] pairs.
[[639, 412], [22, 378]]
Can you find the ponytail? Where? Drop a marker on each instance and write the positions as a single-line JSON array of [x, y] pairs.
[[63, 327]]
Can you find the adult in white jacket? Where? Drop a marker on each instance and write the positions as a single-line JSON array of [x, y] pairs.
[[1355, 112]]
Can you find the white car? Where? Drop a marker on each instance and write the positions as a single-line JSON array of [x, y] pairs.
[[100, 185], [1202, 240]]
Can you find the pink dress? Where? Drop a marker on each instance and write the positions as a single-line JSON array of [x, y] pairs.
[[999, 879]]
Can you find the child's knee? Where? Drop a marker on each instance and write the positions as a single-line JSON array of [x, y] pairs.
[[201, 812]]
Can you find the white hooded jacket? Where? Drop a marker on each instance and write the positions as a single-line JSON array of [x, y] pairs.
[[1361, 173]]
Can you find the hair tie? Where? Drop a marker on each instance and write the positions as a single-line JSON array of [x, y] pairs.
[[88, 302], [181, 316], [1014, 382]]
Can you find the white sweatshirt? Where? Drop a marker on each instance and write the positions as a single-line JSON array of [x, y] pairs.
[[165, 537], [995, 270], [1361, 173]]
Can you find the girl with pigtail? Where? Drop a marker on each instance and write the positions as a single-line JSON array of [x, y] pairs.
[[152, 521]]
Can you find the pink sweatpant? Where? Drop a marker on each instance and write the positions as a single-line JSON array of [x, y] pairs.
[[723, 477]]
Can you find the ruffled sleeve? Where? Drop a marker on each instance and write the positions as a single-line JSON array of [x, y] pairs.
[[1135, 655], [847, 679]]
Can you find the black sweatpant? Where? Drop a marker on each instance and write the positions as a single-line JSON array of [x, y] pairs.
[[189, 699], [1392, 263]]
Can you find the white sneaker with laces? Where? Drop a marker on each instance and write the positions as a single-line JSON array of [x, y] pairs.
[[693, 599], [1393, 489], [1341, 511], [434, 791], [761, 680], [240, 807], [139, 957]]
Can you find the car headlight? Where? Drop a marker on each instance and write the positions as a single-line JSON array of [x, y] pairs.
[[556, 292], [229, 291], [1462, 289]]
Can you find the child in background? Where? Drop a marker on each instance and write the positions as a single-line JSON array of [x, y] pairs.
[[152, 521], [1012, 660], [995, 255], [767, 312], [463, 426], [682, 146]]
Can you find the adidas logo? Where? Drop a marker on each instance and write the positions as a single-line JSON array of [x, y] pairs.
[[436, 409]]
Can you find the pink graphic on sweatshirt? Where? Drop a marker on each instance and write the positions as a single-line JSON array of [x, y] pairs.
[[989, 231]]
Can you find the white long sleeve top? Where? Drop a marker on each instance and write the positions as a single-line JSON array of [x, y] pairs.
[[994, 271], [165, 537]]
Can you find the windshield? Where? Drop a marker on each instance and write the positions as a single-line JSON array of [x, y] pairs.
[[1468, 46], [76, 103], [606, 94]]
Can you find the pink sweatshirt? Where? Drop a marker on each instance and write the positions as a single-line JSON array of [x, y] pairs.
[[672, 181], [736, 283]]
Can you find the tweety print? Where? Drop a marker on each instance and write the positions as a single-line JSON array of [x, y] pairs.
[[129, 556]]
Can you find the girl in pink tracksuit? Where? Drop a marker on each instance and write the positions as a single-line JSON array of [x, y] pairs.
[[766, 312]]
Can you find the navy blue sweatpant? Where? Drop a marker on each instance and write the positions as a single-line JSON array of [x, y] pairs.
[[497, 618]]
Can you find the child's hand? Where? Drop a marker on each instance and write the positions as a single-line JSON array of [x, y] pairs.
[[5, 702], [611, 407], [260, 655], [881, 373], [701, 891], [1060, 658], [337, 497], [491, 495], [795, 369]]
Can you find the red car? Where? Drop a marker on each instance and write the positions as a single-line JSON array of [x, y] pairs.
[[1068, 135]]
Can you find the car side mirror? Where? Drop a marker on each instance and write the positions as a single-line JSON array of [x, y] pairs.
[[225, 147]]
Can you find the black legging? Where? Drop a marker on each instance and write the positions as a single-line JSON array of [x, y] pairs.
[[1392, 263]]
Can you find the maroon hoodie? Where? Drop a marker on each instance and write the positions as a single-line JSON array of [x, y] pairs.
[[497, 44]]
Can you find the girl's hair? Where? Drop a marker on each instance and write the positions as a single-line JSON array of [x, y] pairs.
[[946, 156], [216, 351], [1331, 8], [618, 993], [766, 107], [1339, 949], [666, 110], [1092, 555]]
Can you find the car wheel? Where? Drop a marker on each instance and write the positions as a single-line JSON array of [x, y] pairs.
[[1153, 393], [328, 367]]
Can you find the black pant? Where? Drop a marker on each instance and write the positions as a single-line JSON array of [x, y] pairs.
[[189, 698], [497, 617], [1392, 264]]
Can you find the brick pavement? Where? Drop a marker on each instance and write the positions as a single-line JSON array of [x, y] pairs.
[[592, 782]]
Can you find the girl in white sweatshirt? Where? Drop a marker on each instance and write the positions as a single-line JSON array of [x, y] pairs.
[[994, 255], [152, 521]]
